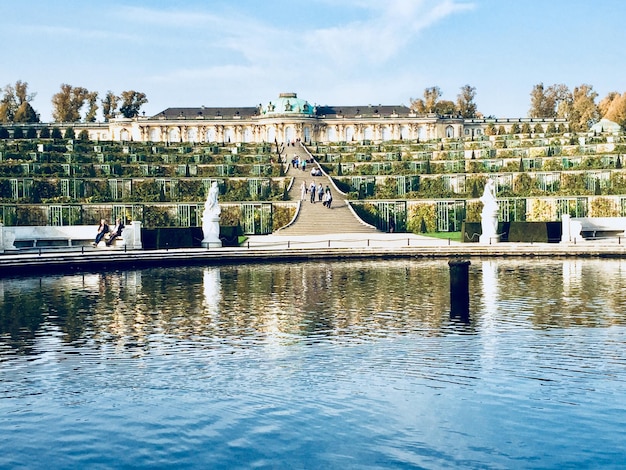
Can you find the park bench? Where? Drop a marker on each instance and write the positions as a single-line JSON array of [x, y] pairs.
[[592, 228], [29, 237]]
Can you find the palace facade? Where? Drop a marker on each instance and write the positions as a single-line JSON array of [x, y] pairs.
[[287, 119], [290, 118]]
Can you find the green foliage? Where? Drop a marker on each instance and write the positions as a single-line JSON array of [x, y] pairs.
[[603, 207], [156, 216], [43, 191], [422, 216], [282, 215]]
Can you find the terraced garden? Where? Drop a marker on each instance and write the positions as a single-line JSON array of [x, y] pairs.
[[395, 185]]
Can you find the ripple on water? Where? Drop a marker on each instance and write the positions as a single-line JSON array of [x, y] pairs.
[[315, 364]]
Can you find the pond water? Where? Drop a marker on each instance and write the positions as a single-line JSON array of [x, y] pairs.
[[316, 365]]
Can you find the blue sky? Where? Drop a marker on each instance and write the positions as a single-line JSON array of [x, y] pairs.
[[330, 52]]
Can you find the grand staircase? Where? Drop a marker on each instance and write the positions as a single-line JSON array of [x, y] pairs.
[[315, 218]]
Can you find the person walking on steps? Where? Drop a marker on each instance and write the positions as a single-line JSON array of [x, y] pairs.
[[312, 190], [328, 197]]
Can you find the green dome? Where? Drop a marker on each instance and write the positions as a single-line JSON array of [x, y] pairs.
[[287, 103]]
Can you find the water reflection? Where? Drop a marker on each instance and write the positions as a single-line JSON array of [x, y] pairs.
[[304, 302]]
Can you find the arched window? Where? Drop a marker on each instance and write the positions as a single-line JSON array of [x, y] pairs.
[[449, 131], [349, 134], [155, 135], [247, 135], [124, 135], [210, 135], [192, 135], [173, 135], [386, 133], [229, 136], [404, 133], [290, 134], [367, 133], [331, 135], [271, 134]]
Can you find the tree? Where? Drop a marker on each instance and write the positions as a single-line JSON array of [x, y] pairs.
[[8, 105], [15, 104], [68, 102], [428, 103], [25, 113], [542, 102], [584, 111], [92, 104], [132, 101], [445, 108], [109, 105], [465, 102], [613, 108]]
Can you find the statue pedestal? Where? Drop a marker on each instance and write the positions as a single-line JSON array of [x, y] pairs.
[[211, 231], [489, 225]]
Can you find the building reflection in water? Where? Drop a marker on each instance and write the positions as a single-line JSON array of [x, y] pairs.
[[305, 302]]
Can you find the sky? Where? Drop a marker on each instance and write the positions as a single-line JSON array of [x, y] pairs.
[[330, 52]]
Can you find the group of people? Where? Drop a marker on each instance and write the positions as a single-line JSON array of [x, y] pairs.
[[316, 192], [299, 163], [104, 230]]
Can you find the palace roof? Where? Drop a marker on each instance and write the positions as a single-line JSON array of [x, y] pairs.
[[286, 104]]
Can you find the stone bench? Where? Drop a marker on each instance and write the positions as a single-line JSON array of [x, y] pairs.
[[581, 228], [25, 237]]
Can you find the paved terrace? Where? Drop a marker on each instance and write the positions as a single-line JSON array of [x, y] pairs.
[[275, 248]]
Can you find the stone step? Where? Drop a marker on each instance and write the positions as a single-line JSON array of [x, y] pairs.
[[315, 218]]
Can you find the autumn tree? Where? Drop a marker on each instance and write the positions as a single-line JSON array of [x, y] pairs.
[[465, 105], [15, 104], [427, 104], [67, 103], [8, 104], [109, 105], [613, 108], [542, 102], [132, 101], [584, 111]]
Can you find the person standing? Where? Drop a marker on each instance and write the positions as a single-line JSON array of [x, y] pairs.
[[320, 192], [303, 190], [328, 197], [312, 191]]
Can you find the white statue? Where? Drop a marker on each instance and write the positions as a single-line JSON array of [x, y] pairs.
[[211, 219], [489, 214]]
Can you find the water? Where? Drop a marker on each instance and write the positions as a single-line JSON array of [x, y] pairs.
[[316, 365]]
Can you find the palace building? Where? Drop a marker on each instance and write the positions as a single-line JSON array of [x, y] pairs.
[[290, 118]]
